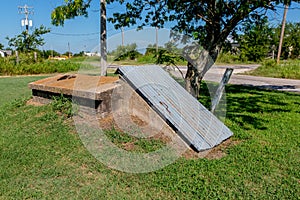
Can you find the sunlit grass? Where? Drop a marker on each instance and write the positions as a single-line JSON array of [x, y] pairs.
[[286, 69], [12, 88]]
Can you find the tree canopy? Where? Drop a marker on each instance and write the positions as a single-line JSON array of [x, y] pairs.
[[209, 22], [291, 43], [256, 41], [260, 40], [28, 42]]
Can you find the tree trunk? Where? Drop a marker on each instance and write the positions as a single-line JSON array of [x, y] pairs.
[[197, 68], [190, 80]]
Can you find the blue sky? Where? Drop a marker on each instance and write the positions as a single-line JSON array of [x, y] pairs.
[[82, 33]]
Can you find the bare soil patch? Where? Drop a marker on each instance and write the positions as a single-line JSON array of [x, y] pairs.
[[217, 152], [31, 102]]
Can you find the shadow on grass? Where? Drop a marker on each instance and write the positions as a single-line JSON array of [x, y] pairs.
[[246, 105]]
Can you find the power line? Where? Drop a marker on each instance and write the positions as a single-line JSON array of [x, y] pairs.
[[75, 34], [78, 34], [109, 8], [294, 8]]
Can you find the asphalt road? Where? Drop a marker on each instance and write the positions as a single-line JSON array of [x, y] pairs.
[[215, 74]]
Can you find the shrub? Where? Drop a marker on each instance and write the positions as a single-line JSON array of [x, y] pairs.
[[228, 58], [126, 52], [64, 106], [9, 67]]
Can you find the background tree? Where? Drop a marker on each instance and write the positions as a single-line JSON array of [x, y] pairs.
[[80, 54], [256, 40], [151, 50], [291, 43], [126, 52], [209, 22], [49, 53], [1, 46], [26, 42]]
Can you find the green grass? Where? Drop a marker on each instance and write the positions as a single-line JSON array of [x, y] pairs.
[[286, 69], [41, 155], [16, 87], [142, 145]]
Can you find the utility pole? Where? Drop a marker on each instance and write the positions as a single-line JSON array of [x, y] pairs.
[[156, 30], [103, 36], [282, 33], [122, 29], [26, 10], [69, 50]]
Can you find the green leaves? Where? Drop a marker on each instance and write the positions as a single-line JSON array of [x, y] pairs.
[[126, 52], [291, 43], [215, 20], [28, 42], [70, 10], [255, 43], [260, 38]]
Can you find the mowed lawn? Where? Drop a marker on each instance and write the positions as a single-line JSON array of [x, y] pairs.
[[12, 88], [42, 157]]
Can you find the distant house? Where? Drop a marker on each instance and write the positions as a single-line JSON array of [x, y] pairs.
[[58, 58], [4, 53], [234, 44], [91, 54]]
